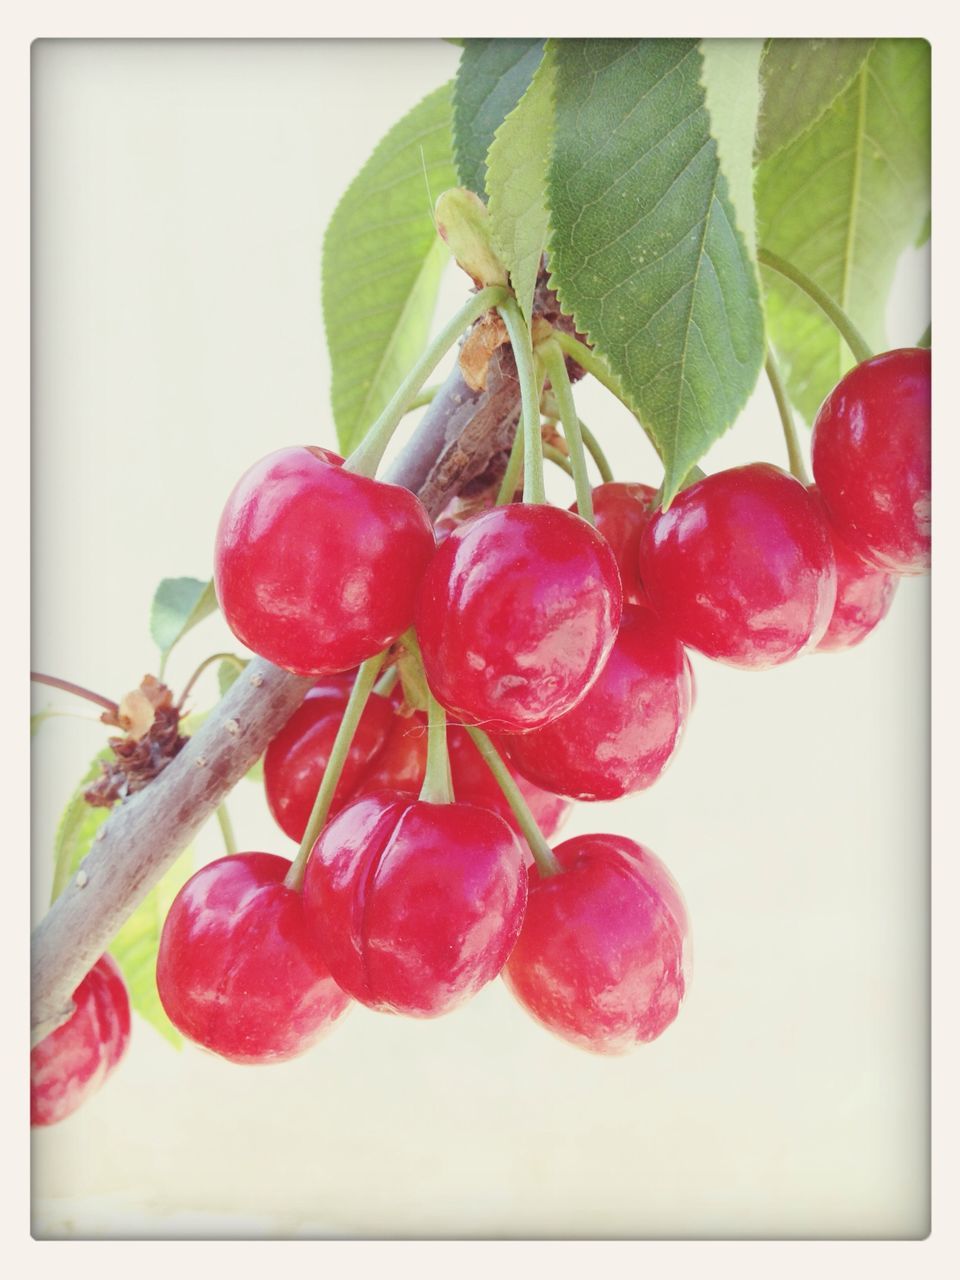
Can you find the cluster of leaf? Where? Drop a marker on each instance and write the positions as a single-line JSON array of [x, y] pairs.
[[649, 171]]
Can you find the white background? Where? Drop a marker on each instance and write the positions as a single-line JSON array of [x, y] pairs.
[[181, 192]]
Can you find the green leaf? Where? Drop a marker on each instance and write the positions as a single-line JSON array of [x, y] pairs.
[[492, 78], [731, 84], [178, 605], [643, 251], [517, 167], [382, 263], [842, 202], [800, 80], [78, 827], [135, 947], [227, 673], [923, 235]]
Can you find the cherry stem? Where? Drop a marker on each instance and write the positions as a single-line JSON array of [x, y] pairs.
[[387, 682], [552, 454], [67, 686], [533, 485], [794, 452], [208, 662], [924, 340], [556, 368], [833, 311], [426, 396], [437, 783], [543, 855], [511, 477], [593, 364], [596, 453], [362, 687], [367, 456], [226, 828]]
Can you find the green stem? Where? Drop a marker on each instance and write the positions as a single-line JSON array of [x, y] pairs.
[[596, 453], [226, 828], [368, 454], [208, 662], [794, 452], [543, 855], [426, 396], [556, 368], [437, 783], [387, 682], [533, 486], [552, 454], [366, 679], [511, 477], [835, 314], [592, 364], [925, 339]]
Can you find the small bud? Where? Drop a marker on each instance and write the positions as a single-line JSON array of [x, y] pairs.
[[463, 222]]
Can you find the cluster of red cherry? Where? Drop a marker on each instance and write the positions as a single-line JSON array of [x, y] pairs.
[[424, 869]]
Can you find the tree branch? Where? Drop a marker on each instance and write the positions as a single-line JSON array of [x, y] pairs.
[[461, 432]]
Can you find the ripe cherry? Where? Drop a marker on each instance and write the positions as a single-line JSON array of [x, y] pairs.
[[621, 512], [623, 734], [238, 970], [516, 616], [415, 905], [602, 958], [741, 567], [294, 762], [871, 459], [72, 1062], [401, 766], [317, 568], [864, 596]]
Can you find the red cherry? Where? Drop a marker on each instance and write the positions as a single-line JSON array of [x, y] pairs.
[[516, 616], [602, 958], [871, 459], [621, 512], [71, 1063], [741, 567], [238, 969], [623, 734], [316, 568], [295, 760], [402, 764], [416, 906], [864, 596]]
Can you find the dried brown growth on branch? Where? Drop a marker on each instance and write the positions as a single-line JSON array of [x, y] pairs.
[[151, 740]]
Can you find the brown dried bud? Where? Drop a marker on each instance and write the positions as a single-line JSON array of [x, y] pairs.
[[152, 739]]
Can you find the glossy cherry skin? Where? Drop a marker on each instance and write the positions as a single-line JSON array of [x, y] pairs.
[[415, 906], [316, 569], [623, 734], [871, 459], [238, 969], [72, 1062], [621, 512], [603, 956], [296, 758], [741, 567], [864, 596], [516, 616], [402, 764]]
